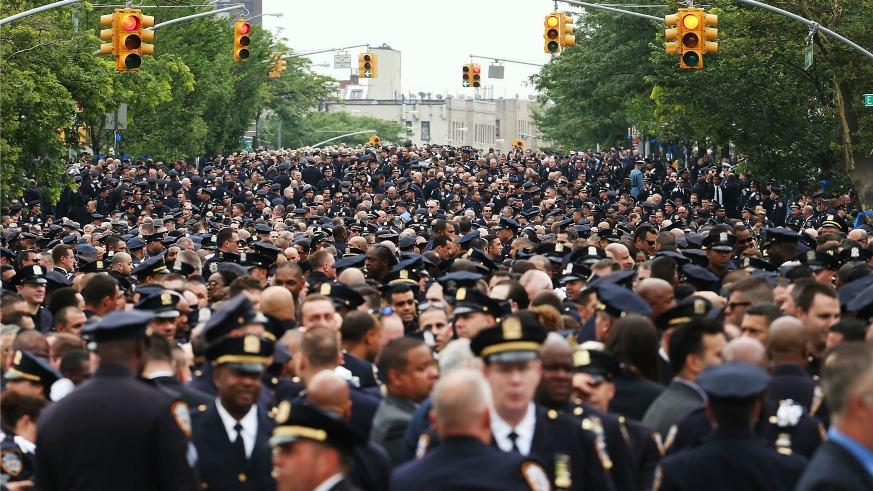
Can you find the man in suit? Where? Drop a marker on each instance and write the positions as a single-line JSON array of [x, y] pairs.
[[513, 370], [734, 457], [692, 348], [231, 435], [461, 410], [410, 372], [845, 461], [312, 449], [137, 433]]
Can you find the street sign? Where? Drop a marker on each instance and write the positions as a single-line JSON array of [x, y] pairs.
[[495, 71], [118, 119], [807, 57], [868, 99], [342, 60], [117, 137]]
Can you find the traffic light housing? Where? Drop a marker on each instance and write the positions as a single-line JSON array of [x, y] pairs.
[[375, 140], [367, 65], [518, 143], [279, 65], [472, 75], [128, 36], [567, 38], [691, 33], [242, 32], [552, 33]]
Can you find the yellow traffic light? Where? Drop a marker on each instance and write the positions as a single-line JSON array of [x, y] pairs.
[[472, 75], [367, 65], [693, 36], [567, 39], [518, 143], [375, 140], [242, 32], [128, 36], [279, 65], [552, 33]]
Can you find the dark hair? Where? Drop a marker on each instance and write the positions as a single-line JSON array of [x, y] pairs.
[[14, 406], [643, 230], [734, 413], [243, 283], [159, 348], [223, 236], [687, 339], [441, 241], [393, 355], [851, 329], [664, 268], [71, 361], [769, 311], [59, 251], [100, 286], [805, 293], [517, 293], [356, 325], [634, 340], [397, 288], [319, 346]]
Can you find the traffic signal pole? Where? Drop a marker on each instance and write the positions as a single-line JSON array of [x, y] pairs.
[[613, 9], [37, 10], [201, 14]]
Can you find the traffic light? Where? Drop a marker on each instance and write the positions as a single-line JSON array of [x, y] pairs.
[[375, 140], [693, 36], [242, 31], [472, 75], [367, 65], [552, 33], [518, 143], [128, 37], [567, 39], [279, 65]]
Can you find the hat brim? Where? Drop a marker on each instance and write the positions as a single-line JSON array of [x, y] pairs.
[[33, 281], [512, 356], [722, 248], [167, 314], [245, 367], [462, 309]]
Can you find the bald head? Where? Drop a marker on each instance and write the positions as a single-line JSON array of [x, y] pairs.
[[746, 350], [621, 255], [350, 276], [278, 302], [658, 294], [534, 281], [329, 392], [461, 404], [786, 341]]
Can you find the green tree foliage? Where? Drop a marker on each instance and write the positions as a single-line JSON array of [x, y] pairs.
[[189, 99], [754, 94], [319, 126]]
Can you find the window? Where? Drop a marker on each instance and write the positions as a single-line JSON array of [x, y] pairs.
[[356, 94], [497, 128], [457, 131], [523, 128], [425, 130]]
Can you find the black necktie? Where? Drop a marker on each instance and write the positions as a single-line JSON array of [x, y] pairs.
[[238, 444], [513, 436]]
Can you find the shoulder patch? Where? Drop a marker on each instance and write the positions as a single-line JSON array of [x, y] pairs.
[[213, 267], [422, 445], [536, 477], [11, 462], [180, 413]]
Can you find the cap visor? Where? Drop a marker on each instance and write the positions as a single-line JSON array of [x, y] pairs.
[[467, 309], [34, 281], [167, 314], [245, 367], [277, 441], [513, 356]]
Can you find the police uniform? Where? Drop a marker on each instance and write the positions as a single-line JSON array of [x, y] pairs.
[[568, 453], [17, 458], [137, 433], [28, 367], [296, 423], [226, 462], [35, 275], [733, 457]]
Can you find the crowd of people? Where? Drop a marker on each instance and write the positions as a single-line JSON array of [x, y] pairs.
[[431, 318]]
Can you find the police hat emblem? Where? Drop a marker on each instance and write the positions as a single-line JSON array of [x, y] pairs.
[[180, 413], [700, 307], [581, 358], [283, 412], [325, 289], [252, 344], [166, 298], [37, 270], [11, 462], [511, 328]]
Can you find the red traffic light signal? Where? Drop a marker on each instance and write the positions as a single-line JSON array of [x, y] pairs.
[[241, 40]]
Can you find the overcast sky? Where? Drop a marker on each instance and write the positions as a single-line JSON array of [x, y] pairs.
[[435, 38]]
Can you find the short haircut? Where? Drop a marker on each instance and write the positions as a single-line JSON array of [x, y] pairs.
[[664, 268], [100, 286], [769, 311], [60, 251], [804, 294], [851, 329], [319, 346], [14, 406], [643, 230], [517, 293], [242, 284], [396, 288], [734, 413], [754, 288], [159, 349], [319, 258], [62, 316], [64, 342], [441, 241], [223, 236], [356, 325], [844, 367], [73, 360], [393, 356], [687, 339]]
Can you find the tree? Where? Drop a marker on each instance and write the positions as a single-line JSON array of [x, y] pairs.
[[320, 126]]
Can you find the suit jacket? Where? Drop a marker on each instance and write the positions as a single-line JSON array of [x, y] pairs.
[[676, 400], [389, 425], [833, 468], [443, 469], [633, 396], [197, 401], [218, 463], [114, 432], [732, 459]]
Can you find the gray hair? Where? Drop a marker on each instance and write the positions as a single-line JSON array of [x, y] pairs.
[[457, 355]]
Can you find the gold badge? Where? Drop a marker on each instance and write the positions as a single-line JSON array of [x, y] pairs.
[[700, 307], [37, 270], [511, 328], [559, 247], [283, 412], [17, 359], [166, 298], [180, 413], [325, 289], [581, 358], [461, 294], [99, 264], [252, 344], [562, 471], [404, 274]]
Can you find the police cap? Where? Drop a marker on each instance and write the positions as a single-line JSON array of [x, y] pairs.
[[27, 366], [162, 304], [151, 266], [468, 300], [595, 362], [119, 325], [516, 338], [30, 275], [304, 422], [248, 353], [341, 295], [733, 380], [233, 314], [618, 302]]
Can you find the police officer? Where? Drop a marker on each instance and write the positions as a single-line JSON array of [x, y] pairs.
[[733, 458], [512, 367], [30, 283], [465, 459], [30, 375], [137, 432], [19, 414], [231, 435]]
